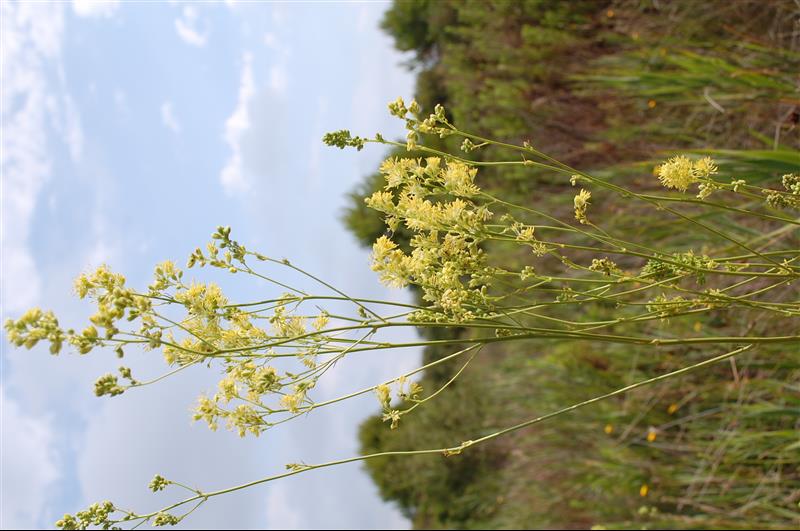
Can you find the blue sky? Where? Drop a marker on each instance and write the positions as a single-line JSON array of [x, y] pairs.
[[129, 132]]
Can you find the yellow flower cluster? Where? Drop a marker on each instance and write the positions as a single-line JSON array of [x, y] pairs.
[[98, 515], [113, 299], [418, 189], [114, 302], [433, 199], [435, 124], [34, 326], [605, 266], [294, 401], [581, 203], [258, 380], [384, 394], [244, 418], [680, 172], [438, 265], [202, 299], [286, 325]]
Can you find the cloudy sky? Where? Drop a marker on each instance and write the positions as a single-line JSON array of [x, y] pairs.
[[129, 132]]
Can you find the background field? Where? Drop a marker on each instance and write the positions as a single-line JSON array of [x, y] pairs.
[[611, 88]]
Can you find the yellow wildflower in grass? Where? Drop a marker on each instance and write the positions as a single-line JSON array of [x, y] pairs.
[[609, 429], [705, 167], [445, 259], [672, 409], [539, 249], [643, 490], [524, 233], [677, 172], [680, 172], [651, 434], [581, 203]]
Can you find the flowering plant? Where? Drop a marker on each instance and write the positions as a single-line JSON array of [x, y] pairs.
[[271, 353]]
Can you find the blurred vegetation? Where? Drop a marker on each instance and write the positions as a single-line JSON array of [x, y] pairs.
[[608, 86]]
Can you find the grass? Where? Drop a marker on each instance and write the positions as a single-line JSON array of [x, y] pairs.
[[621, 86]]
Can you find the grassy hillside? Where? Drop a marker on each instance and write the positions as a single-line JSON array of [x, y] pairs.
[[608, 87]]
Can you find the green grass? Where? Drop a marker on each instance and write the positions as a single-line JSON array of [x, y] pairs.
[[577, 79]]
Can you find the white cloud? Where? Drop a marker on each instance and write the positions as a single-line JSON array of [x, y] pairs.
[[278, 79], [100, 253], [168, 118], [71, 128], [95, 8], [65, 119], [30, 41], [29, 466], [232, 177], [186, 26]]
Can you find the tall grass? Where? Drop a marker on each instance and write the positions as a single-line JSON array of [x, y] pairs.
[[659, 74]]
